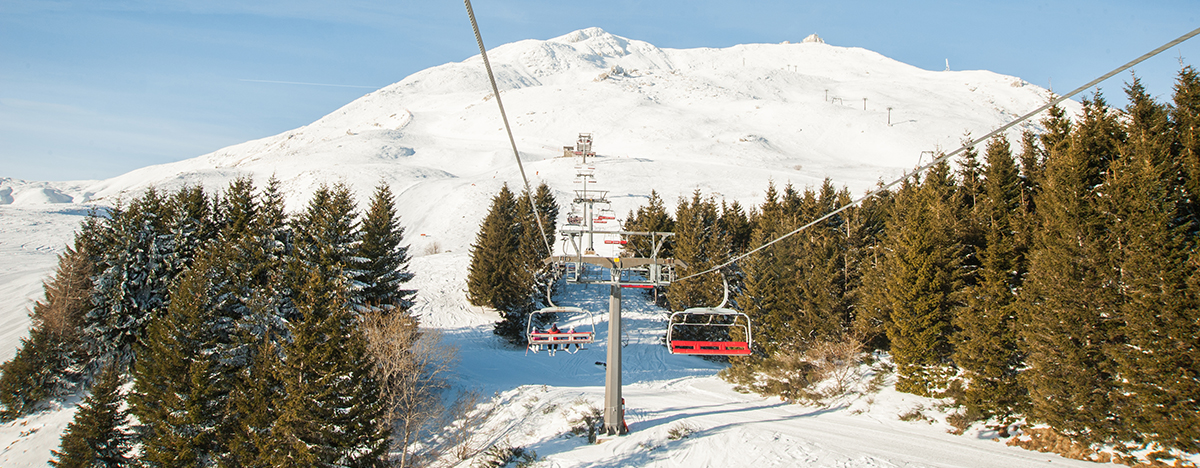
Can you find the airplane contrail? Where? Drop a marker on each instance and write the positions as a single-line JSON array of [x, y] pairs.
[[309, 84]]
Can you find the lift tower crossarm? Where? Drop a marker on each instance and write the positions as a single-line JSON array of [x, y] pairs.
[[614, 262]]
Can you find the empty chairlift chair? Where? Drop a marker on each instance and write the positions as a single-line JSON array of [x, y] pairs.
[[710, 331], [578, 330]]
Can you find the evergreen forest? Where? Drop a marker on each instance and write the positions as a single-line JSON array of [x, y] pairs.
[[1052, 280], [219, 330]]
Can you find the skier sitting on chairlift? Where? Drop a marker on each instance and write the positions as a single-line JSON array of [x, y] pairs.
[[554, 331]]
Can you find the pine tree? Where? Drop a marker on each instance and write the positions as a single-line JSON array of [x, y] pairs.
[[822, 313], [192, 224], [969, 230], [700, 243], [327, 239], [547, 206], [920, 280], [736, 223], [263, 245], [1185, 119], [533, 272], [1156, 363], [650, 218], [332, 413], [134, 274], [237, 209], [386, 259], [254, 399], [986, 341], [98, 436], [871, 312], [1070, 309], [770, 294], [181, 380], [495, 278], [49, 362]]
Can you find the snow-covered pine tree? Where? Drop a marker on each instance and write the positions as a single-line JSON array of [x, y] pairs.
[[384, 270], [264, 243], [181, 382], [985, 344], [98, 436], [331, 413], [192, 224], [327, 239], [133, 275]]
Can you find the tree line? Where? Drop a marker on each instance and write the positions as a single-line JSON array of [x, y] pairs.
[[250, 337], [1056, 282]]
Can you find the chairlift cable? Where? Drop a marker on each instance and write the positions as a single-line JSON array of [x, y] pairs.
[[970, 144], [507, 128]]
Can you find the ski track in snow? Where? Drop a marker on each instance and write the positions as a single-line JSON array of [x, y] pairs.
[[723, 121]]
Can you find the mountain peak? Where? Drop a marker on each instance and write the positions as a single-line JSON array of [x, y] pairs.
[[582, 35]]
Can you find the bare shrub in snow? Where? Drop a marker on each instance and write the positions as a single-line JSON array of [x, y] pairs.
[[826, 370], [680, 431], [914, 414], [589, 422], [412, 366], [503, 453]]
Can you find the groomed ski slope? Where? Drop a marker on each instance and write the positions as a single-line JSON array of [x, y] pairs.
[[536, 397], [722, 121]]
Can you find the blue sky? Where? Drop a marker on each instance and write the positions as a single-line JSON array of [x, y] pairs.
[[93, 89]]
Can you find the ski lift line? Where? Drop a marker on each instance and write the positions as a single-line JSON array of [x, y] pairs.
[[970, 144], [507, 127]]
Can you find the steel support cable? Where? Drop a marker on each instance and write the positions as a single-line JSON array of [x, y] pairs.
[[496, 92], [970, 144]]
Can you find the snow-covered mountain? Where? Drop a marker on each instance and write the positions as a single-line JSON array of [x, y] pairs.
[[724, 121], [721, 120]]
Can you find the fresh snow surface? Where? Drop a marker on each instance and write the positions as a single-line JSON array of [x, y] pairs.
[[722, 121]]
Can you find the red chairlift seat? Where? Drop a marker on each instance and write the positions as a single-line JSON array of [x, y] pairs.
[[719, 348], [717, 318]]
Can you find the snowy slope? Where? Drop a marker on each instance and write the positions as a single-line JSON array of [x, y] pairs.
[[725, 121]]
